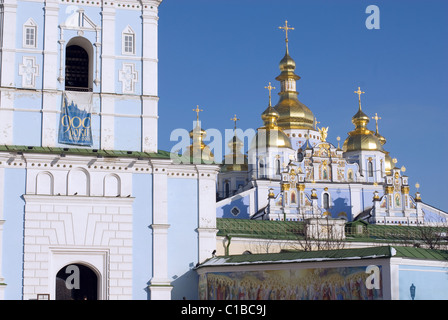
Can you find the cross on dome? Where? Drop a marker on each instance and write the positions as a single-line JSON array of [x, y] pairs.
[[359, 92], [234, 119], [269, 87], [197, 110], [286, 28]]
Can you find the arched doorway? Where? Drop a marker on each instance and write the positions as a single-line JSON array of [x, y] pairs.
[[76, 282]]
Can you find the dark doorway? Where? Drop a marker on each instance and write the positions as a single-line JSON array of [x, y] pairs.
[[76, 282], [76, 68]]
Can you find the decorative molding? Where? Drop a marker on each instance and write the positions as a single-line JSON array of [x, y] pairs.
[[29, 71], [128, 77]]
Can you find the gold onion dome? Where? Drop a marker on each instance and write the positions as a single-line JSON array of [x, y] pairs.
[[361, 138], [293, 114], [270, 135], [235, 160], [198, 150]]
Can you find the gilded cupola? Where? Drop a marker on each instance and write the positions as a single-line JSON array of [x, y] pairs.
[[198, 150], [361, 138], [293, 114], [270, 135], [235, 160]]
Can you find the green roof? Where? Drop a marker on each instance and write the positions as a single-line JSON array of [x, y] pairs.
[[259, 228], [294, 230], [384, 252], [86, 152]]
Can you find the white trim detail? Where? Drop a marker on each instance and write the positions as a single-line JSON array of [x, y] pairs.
[[29, 70]]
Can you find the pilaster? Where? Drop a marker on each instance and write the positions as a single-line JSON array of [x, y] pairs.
[[207, 210], [160, 284]]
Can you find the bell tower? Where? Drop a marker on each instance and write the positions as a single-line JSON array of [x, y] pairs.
[[100, 57]]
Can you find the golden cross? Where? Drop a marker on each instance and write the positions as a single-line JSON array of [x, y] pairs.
[[359, 92], [197, 110], [315, 123], [376, 118], [269, 87], [286, 28], [235, 119]]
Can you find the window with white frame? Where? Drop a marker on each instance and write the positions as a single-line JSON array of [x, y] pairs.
[[128, 41], [30, 34]]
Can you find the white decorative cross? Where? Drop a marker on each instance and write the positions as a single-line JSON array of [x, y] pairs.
[[29, 71], [128, 77]]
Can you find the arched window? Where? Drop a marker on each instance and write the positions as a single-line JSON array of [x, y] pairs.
[[78, 65], [326, 201], [227, 189], [299, 156], [370, 168], [277, 166]]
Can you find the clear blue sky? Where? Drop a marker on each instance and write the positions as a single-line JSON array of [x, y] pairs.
[[220, 54]]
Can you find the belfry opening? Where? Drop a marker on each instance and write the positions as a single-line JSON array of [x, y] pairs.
[[76, 282]]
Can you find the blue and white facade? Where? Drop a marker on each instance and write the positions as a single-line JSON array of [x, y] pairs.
[[118, 206], [121, 70], [309, 177]]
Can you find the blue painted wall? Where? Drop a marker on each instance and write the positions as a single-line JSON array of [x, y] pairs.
[[431, 283], [242, 203], [13, 214], [182, 237]]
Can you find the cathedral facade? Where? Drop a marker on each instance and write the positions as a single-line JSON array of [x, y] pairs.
[[84, 191], [293, 173]]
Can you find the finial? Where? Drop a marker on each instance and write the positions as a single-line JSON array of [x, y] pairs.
[[417, 185], [197, 110], [269, 87], [339, 139], [315, 122], [376, 118], [286, 28], [234, 119], [359, 92]]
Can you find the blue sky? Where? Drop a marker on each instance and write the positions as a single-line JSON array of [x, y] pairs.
[[220, 54]]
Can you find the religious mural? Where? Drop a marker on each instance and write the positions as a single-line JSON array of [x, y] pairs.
[[344, 283]]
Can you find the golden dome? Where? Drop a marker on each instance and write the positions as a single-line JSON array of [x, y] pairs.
[[270, 135], [293, 114], [357, 142], [198, 149], [361, 138], [235, 160]]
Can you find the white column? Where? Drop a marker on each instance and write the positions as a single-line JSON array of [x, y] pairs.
[[108, 79], [2, 280], [150, 78], [207, 210], [9, 8], [7, 67], [160, 284], [50, 103], [108, 50]]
